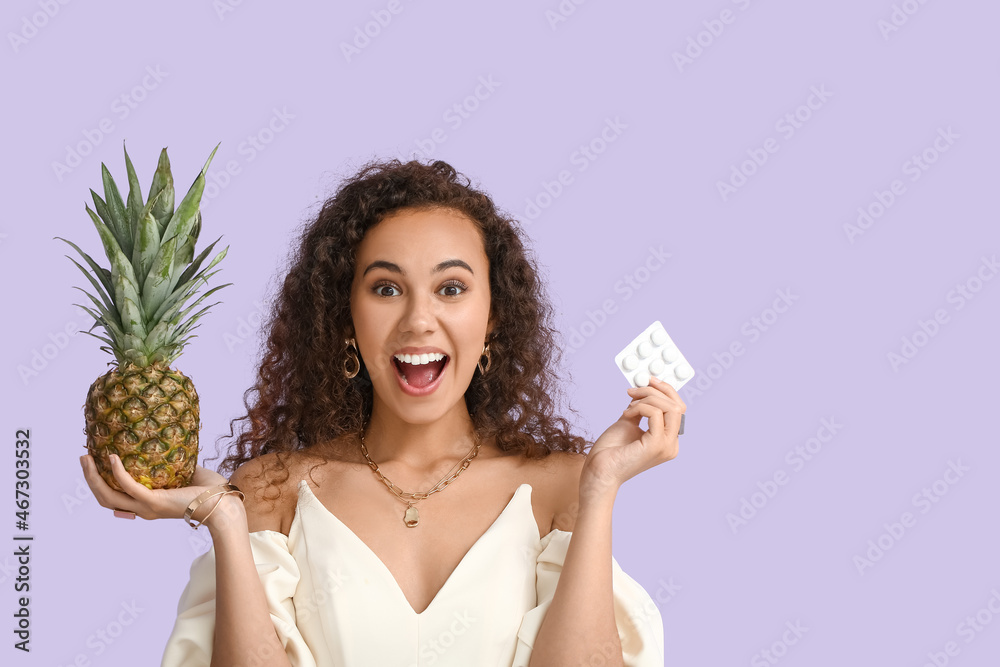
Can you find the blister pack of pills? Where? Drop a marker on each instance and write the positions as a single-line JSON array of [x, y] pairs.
[[653, 353]]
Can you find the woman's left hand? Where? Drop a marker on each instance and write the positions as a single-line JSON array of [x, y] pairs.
[[624, 450]]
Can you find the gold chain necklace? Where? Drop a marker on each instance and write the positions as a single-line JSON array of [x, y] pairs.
[[411, 517]]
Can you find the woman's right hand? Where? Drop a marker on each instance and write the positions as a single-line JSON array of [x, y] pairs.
[[151, 503]]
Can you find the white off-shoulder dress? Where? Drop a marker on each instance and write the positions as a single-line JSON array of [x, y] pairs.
[[335, 604]]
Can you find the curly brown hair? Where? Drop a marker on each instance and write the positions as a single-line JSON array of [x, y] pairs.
[[301, 396]]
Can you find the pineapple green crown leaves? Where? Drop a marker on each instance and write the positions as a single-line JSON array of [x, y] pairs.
[[154, 270]]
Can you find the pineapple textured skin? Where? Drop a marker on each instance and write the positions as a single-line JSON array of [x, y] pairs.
[[150, 418]]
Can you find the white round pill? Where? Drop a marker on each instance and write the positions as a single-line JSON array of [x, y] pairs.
[[629, 363], [643, 349], [683, 371], [670, 354], [658, 336], [656, 366], [641, 379]]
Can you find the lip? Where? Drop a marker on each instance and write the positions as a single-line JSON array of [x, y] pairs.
[[410, 390]]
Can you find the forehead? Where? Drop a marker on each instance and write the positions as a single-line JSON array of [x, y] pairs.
[[423, 237]]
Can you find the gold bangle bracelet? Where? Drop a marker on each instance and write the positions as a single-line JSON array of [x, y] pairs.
[[205, 518], [222, 489]]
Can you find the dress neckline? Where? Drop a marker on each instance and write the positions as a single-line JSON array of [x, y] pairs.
[[305, 489]]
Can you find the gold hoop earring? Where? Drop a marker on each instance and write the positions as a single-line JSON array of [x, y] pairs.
[[485, 353], [352, 356]]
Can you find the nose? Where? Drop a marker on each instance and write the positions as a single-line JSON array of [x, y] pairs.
[[419, 315]]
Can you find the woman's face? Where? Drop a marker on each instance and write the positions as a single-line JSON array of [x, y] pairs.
[[421, 286]]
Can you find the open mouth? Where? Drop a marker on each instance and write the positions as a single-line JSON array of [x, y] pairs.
[[420, 375]]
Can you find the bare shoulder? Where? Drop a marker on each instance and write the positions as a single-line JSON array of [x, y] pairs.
[[557, 483], [271, 490]]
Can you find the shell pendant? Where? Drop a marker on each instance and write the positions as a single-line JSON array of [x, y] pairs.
[[411, 517]]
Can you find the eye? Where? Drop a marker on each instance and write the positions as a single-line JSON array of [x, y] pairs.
[[454, 284], [378, 287]]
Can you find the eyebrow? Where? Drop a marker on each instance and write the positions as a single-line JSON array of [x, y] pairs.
[[395, 268]]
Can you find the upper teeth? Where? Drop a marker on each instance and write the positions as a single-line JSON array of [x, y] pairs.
[[418, 359]]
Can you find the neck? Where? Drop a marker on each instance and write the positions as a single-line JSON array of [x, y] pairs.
[[423, 447]]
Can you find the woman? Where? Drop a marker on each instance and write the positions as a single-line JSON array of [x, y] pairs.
[[409, 495]]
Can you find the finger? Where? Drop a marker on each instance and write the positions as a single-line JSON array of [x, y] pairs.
[[658, 399], [663, 430], [652, 414], [662, 423], [664, 386], [656, 387], [655, 421], [129, 485], [672, 426], [105, 495], [668, 389]]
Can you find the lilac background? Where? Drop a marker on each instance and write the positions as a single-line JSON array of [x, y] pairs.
[[725, 594]]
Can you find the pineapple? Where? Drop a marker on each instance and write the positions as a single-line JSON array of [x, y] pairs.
[[142, 410]]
